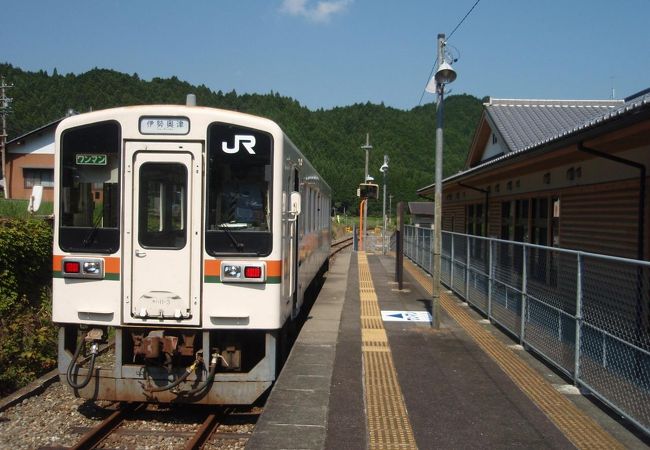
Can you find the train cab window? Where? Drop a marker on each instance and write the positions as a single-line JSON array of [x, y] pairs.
[[89, 202], [239, 180], [163, 206]]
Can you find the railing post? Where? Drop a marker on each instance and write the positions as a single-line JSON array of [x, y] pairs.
[[453, 263], [467, 256], [524, 302], [399, 272], [429, 251], [576, 358], [490, 277], [417, 246]]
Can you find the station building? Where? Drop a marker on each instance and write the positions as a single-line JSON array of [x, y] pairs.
[[561, 173]]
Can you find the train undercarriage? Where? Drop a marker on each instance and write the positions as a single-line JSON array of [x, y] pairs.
[[168, 365]]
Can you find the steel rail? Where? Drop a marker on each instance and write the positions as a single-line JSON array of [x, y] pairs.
[[209, 425], [100, 432], [340, 245]]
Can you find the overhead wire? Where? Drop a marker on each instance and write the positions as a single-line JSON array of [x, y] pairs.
[[463, 19], [427, 82], [447, 39]]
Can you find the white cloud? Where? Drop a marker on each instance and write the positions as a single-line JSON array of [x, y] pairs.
[[321, 12]]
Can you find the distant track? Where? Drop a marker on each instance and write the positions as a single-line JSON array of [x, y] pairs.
[[339, 245]]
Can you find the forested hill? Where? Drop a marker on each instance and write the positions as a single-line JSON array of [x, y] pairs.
[[331, 139]]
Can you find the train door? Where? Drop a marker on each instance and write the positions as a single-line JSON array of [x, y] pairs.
[[162, 240], [294, 257]]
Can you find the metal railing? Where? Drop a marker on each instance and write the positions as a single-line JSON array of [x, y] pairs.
[[551, 298]]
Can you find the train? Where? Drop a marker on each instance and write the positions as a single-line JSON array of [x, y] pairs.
[[186, 237]]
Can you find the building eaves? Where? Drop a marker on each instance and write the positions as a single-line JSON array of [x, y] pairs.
[[37, 130], [631, 106]]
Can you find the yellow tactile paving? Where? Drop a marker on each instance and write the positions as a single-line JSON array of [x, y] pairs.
[[388, 422], [579, 428]]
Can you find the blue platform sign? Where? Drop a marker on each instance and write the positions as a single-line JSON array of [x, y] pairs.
[[405, 316]]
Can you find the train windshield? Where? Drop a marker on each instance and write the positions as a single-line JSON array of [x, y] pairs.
[[89, 191], [239, 175]]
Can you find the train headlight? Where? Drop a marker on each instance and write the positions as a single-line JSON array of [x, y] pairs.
[[244, 272], [92, 267], [230, 271]]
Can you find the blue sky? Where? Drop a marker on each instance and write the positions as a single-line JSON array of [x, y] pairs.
[[340, 52]]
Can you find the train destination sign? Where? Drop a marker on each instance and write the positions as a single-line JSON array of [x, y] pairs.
[[164, 125], [87, 159]]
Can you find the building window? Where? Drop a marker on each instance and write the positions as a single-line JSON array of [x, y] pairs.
[[35, 177], [475, 219], [475, 215], [544, 264], [514, 220], [506, 221], [521, 220], [540, 222]]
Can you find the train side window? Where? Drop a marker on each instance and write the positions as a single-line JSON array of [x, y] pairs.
[[89, 202]]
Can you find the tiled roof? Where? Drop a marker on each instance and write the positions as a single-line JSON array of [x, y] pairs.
[[523, 123], [630, 106]]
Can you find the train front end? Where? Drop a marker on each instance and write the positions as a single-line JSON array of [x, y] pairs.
[[168, 250]]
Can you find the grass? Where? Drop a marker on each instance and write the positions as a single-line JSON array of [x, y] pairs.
[[18, 209]]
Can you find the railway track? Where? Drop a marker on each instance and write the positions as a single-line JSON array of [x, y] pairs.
[[339, 245], [141, 425]]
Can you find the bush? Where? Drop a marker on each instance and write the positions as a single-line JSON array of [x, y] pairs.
[[28, 347], [27, 336]]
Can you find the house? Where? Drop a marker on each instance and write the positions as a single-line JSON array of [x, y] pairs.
[[563, 173], [30, 162], [421, 213]]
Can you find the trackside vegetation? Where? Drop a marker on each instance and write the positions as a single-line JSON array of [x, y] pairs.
[[27, 336]]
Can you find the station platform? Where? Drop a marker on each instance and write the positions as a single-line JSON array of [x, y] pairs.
[[365, 373]]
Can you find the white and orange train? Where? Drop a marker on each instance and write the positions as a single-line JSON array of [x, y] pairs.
[[188, 236]]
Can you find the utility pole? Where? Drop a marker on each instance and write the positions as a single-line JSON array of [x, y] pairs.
[[4, 110], [367, 147], [445, 74], [384, 170], [437, 206]]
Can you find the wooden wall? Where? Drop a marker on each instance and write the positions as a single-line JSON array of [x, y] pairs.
[[598, 218], [602, 218]]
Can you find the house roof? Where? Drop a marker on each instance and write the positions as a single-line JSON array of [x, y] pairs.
[[37, 130], [523, 123], [421, 208], [632, 105]]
